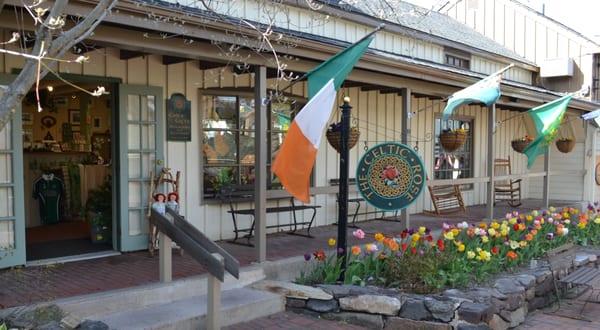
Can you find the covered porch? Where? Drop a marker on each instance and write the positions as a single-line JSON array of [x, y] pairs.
[[39, 284]]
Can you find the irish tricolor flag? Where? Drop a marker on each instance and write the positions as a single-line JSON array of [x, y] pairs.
[[296, 157]]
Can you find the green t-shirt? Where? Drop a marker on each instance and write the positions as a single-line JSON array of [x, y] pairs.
[[48, 190]]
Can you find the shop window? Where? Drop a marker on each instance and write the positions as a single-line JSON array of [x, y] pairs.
[[457, 164], [458, 62], [228, 128]]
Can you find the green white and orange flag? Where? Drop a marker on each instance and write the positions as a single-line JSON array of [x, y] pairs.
[[546, 119], [296, 157]]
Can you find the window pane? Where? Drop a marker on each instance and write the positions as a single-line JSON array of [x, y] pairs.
[[216, 177], [7, 235], [135, 194], [281, 116], [456, 164], [219, 147], [133, 107], [247, 175], [220, 112], [246, 114], [276, 140], [147, 108], [148, 140], [135, 222], [6, 202], [133, 136], [5, 168], [134, 165], [246, 148], [6, 137]]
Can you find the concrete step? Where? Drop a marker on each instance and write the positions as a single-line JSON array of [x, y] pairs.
[[237, 305], [115, 301]]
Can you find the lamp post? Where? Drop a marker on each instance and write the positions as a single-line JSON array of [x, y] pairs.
[[342, 246]]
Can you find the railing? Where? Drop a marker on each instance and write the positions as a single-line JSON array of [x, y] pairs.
[[174, 228]]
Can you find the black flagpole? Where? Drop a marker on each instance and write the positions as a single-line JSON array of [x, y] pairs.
[[342, 246]]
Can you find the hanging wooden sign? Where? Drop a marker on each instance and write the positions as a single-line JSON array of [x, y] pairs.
[[390, 176], [179, 118]]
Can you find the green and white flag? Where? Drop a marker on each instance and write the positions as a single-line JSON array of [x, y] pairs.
[[546, 118]]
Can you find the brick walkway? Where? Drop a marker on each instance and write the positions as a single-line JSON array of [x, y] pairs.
[[36, 284], [292, 321], [539, 320]]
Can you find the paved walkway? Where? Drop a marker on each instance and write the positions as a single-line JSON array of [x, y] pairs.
[[36, 284], [292, 321]]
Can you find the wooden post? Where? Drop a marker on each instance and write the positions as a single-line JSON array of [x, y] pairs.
[[260, 161], [589, 163], [546, 188], [342, 246], [406, 111], [213, 308], [490, 161], [164, 258]]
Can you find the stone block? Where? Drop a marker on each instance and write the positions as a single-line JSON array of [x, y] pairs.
[[526, 280], [516, 317], [92, 325], [322, 306], [292, 290], [371, 304], [508, 286], [295, 303], [399, 323], [497, 323], [442, 310], [415, 309], [541, 289], [370, 321], [467, 326], [537, 303], [530, 293], [475, 313]]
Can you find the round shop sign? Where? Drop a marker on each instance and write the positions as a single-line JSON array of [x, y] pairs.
[[390, 176]]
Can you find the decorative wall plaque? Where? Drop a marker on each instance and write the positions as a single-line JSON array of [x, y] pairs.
[[179, 120], [390, 176]]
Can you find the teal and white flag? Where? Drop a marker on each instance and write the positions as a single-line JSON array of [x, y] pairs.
[[486, 91]]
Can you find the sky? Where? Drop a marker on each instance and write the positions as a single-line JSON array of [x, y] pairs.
[[579, 15]]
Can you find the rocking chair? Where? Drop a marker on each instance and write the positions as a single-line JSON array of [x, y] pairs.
[[446, 199], [507, 190]]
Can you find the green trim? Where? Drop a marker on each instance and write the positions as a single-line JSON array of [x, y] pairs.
[[17, 256], [77, 78], [138, 242]]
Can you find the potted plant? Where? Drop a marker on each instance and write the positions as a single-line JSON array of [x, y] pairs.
[[334, 136], [452, 139], [565, 145], [521, 143], [99, 213]]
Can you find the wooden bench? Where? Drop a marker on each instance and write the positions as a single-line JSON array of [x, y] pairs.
[[356, 200], [232, 194], [564, 257]]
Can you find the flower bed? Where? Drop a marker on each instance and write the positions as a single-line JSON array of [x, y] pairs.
[[462, 254], [415, 280]]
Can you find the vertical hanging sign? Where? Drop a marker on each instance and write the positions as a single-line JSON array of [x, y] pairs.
[[179, 118]]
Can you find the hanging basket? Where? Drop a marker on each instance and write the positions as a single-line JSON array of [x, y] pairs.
[[519, 145], [452, 140], [335, 138], [565, 145]]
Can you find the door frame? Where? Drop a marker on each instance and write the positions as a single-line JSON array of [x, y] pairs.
[[18, 256], [126, 243]]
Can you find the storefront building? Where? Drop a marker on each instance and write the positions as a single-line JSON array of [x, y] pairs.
[[104, 149]]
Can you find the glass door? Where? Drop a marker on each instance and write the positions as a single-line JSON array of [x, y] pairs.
[[141, 152], [12, 218]]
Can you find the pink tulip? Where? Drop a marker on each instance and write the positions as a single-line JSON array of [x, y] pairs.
[[359, 234]]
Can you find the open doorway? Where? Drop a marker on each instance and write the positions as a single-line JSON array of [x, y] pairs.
[[68, 166]]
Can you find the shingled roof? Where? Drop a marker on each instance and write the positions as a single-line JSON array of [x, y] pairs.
[[427, 21]]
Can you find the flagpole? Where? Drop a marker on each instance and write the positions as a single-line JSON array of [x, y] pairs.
[[304, 76]]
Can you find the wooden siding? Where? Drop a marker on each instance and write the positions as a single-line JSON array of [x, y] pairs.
[[379, 119], [531, 35], [314, 22]]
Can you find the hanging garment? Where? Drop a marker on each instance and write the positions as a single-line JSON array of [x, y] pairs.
[[48, 190]]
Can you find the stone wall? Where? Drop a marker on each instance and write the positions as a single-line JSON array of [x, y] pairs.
[[501, 305]]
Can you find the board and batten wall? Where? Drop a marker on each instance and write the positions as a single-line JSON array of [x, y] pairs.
[[379, 119], [531, 35], [340, 28]]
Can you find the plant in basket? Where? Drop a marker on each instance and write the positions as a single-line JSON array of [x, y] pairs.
[[521, 143], [565, 145], [452, 139], [334, 136]]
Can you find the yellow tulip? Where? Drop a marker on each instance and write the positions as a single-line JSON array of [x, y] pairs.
[[331, 242]]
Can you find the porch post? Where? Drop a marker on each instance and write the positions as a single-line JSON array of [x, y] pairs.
[[260, 161], [405, 126], [589, 163], [490, 161], [546, 188], [165, 258]]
